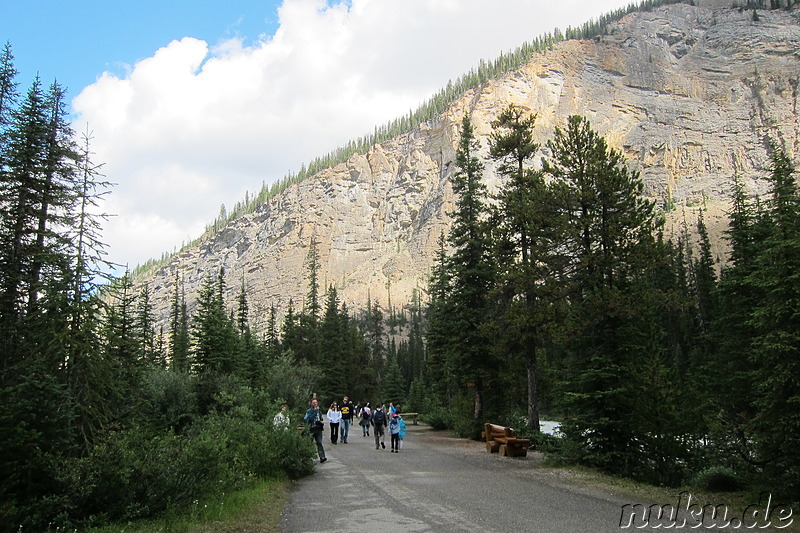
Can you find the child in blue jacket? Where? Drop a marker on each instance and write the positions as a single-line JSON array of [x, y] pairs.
[[394, 432]]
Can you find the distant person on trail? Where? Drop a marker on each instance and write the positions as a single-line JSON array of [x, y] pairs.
[[366, 416], [315, 425], [334, 417], [281, 420], [394, 433], [347, 410], [392, 409], [379, 423]]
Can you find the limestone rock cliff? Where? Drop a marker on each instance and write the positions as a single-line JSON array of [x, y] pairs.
[[689, 93]]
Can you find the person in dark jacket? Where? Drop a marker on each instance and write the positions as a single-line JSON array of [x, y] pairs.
[[379, 424], [315, 425]]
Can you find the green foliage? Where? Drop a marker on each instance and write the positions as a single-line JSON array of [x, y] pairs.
[[438, 418], [169, 399], [136, 473], [718, 479]]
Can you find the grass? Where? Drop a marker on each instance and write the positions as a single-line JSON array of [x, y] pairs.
[[256, 509]]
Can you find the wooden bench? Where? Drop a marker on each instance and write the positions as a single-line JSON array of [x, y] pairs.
[[410, 417], [502, 440]]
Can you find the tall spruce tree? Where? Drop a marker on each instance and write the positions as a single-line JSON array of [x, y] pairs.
[[775, 347], [20, 193], [179, 329], [336, 359], [731, 400], [472, 273], [8, 96], [145, 326], [526, 237], [437, 335], [213, 334], [611, 241]]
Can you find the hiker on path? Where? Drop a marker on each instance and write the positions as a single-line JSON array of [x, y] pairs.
[[394, 433], [315, 425], [366, 416], [379, 424], [347, 410], [334, 417]]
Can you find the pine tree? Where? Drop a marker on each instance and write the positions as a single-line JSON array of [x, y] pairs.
[[179, 329], [610, 243], [145, 324], [313, 307], [271, 335], [122, 342], [472, 272], [731, 399], [437, 336], [376, 336], [20, 186], [250, 353], [8, 96], [775, 354], [213, 335], [393, 389], [525, 239], [333, 335]]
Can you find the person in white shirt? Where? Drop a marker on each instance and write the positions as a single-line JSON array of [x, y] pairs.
[[334, 417], [281, 420]]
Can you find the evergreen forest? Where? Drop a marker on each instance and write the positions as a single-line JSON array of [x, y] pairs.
[[559, 296]]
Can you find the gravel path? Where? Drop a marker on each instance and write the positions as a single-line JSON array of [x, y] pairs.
[[442, 484]]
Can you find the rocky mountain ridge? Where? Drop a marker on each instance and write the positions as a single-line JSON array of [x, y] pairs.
[[690, 94]]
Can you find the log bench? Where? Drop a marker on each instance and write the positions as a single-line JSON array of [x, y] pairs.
[[410, 417], [502, 440]]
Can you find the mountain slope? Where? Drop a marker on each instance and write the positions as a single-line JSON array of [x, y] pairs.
[[690, 94]]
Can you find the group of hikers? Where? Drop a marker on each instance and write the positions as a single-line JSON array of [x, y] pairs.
[[341, 416]]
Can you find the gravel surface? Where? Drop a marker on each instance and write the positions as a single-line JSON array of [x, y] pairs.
[[442, 484]]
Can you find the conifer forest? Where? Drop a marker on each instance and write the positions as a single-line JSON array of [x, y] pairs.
[[559, 296]]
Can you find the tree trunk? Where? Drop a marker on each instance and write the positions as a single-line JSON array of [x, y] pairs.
[[533, 390]]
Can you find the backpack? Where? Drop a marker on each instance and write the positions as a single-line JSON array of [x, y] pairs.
[[379, 418]]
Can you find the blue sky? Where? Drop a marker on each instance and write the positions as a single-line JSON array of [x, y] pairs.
[[192, 104], [75, 41]]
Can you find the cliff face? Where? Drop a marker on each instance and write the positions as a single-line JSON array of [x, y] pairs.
[[690, 94]]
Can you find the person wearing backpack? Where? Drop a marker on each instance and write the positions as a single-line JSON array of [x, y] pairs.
[[379, 424], [366, 415]]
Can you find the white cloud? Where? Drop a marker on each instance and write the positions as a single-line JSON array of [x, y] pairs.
[[196, 125]]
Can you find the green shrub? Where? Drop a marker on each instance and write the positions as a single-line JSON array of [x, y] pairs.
[[170, 399], [718, 479], [468, 428], [438, 418], [139, 473]]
